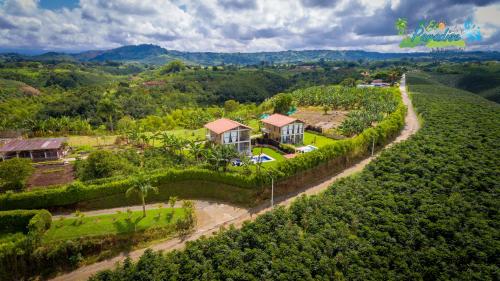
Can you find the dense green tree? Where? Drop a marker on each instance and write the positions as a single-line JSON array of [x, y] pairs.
[[348, 82], [102, 164], [109, 110], [173, 67], [282, 103], [14, 173], [231, 105]]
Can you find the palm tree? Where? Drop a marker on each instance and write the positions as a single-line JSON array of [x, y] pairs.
[[164, 137], [155, 136], [221, 155], [108, 109], [145, 139], [196, 149], [393, 76], [141, 185], [133, 136]]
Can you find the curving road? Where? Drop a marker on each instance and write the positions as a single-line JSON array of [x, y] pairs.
[[211, 216]]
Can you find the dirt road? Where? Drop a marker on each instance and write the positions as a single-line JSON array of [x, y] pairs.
[[211, 216]]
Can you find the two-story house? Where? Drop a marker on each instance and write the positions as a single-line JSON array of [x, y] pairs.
[[283, 129], [228, 132]]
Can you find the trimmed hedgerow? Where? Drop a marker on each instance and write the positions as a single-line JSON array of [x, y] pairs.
[[25, 221], [18, 220]]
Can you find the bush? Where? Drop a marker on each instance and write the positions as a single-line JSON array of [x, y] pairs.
[[15, 172], [76, 193], [40, 223], [16, 221], [102, 164]]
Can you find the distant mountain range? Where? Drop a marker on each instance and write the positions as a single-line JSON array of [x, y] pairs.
[[153, 54]]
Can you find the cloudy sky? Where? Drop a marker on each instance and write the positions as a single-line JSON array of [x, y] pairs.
[[231, 25]]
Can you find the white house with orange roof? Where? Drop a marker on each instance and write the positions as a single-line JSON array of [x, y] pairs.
[[228, 132], [283, 129]]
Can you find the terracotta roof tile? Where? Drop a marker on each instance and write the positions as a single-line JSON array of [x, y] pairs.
[[279, 120], [222, 125]]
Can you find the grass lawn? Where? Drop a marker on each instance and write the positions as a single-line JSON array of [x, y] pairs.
[[316, 140], [86, 141], [69, 228], [271, 152], [195, 135], [76, 141]]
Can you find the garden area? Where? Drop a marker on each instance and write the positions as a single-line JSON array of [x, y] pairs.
[[66, 242], [122, 222]]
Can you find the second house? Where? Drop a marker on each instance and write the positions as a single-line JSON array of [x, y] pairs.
[[283, 129]]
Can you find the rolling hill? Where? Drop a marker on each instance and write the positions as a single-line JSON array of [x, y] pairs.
[[152, 54]]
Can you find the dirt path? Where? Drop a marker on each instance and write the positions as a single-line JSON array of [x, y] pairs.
[[211, 216]]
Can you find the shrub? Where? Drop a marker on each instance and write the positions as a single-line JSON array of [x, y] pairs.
[[16, 221], [40, 223], [15, 172], [102, 164]]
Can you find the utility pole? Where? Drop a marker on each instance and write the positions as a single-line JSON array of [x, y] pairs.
[[272, 192], [373, 145]]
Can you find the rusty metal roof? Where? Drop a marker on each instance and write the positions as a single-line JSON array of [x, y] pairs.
[[222, 125], [32, 144]]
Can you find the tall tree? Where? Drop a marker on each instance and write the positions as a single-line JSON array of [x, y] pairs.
[[141, 185], [109, 110], [282, 103]]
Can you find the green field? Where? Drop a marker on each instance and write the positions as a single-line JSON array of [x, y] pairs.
[[194, 135], [77, 141], [69, 228]]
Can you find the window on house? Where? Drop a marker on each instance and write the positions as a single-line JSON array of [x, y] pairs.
[[227, 137]]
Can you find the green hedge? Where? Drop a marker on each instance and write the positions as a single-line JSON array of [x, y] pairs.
[[16, 221], [40, 223], [76, 193]]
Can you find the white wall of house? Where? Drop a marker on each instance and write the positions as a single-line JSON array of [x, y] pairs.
[[292, 133], [239, 137]]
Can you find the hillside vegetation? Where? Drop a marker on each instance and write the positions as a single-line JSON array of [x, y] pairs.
[[427, 209], [147, 53], [481, 79]]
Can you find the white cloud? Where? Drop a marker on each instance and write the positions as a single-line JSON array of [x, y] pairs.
[[215, 25]]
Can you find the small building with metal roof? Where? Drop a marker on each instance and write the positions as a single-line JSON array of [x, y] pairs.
[[37, 149]]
